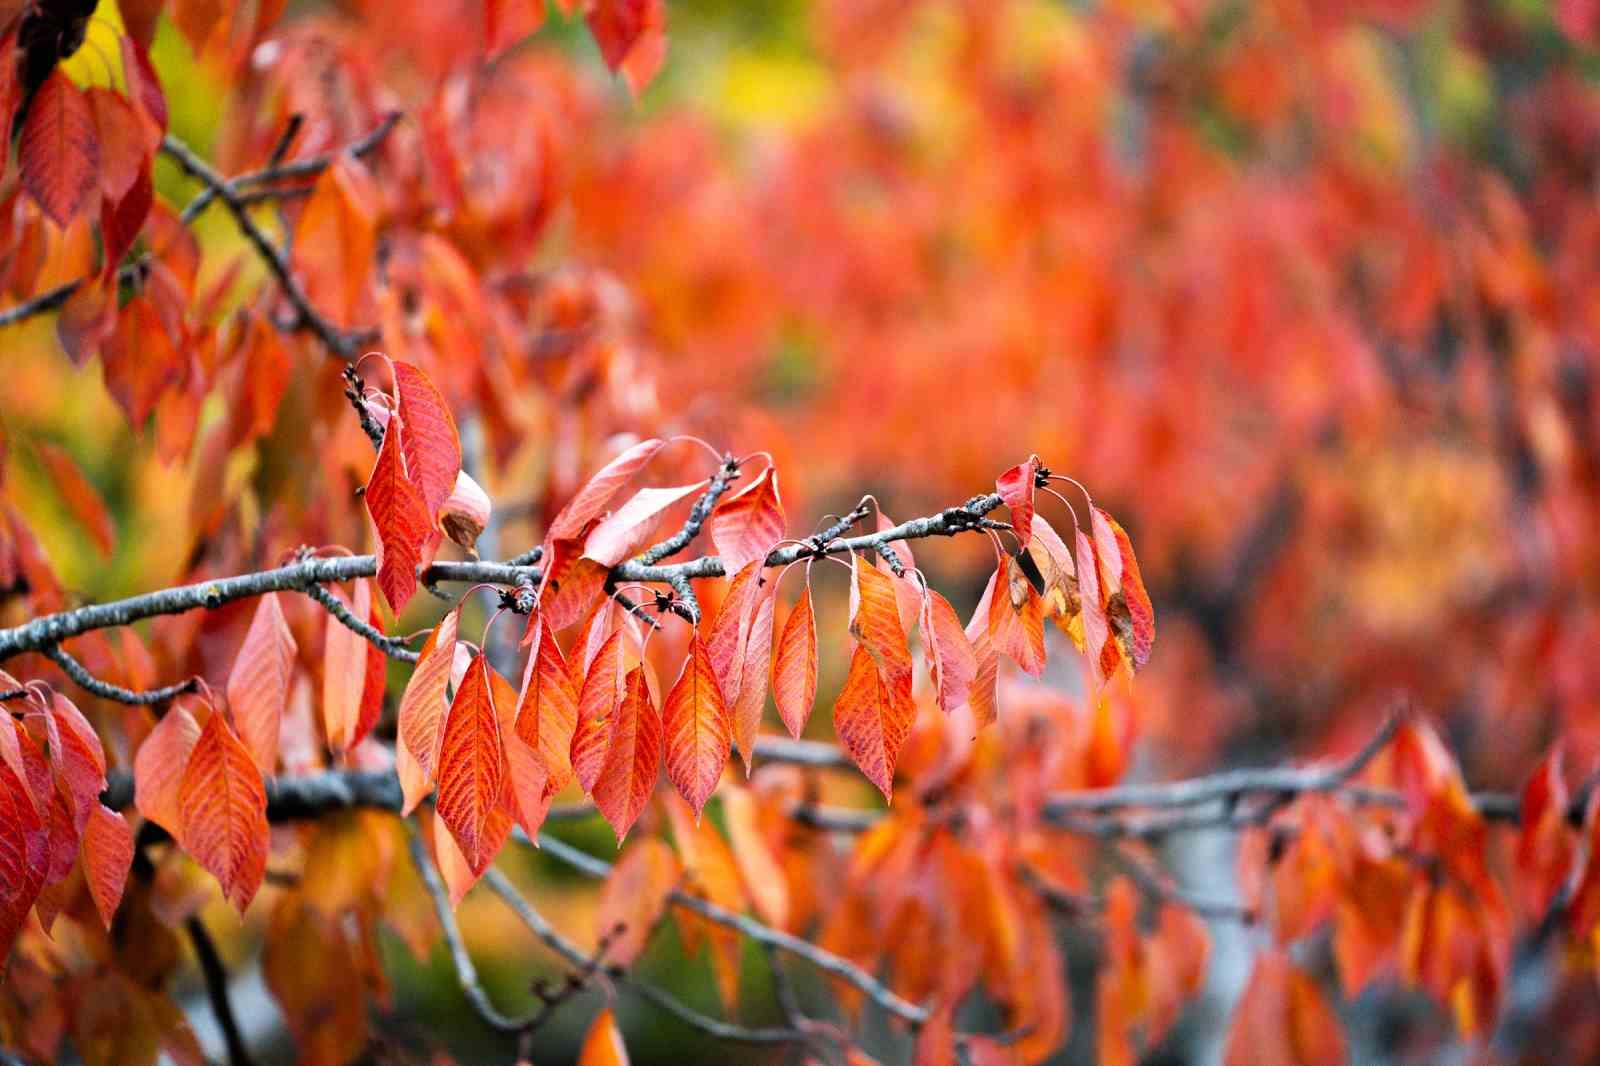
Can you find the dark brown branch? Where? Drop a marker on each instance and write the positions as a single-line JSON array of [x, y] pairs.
[[216, 978], [345, 345], [105, 690]]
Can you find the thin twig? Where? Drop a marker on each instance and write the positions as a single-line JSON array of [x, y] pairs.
[[697, 514], [106, 690], [1154, 885], [216, 978], [393, 647]]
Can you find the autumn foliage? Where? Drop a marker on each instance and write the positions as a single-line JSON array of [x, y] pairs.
[[444, 459]]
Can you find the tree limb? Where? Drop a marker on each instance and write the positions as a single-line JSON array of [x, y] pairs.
[[216, 978], [106, 690]]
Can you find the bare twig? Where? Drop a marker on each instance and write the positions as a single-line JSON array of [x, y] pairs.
[[393, 647], [697, 514], [1153, 884], [105, 690], [216, 978]]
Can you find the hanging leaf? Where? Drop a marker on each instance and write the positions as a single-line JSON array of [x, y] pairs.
[[78, 757], [430, 443], [1283, 1020], [335, 242], [1016, 487], [729, 635], [1128, 611], [547, 711], [258, 685], [158, 769], [598, 703], [1096, 629], [344, 671], [1016, 617], [794, 669], [747, 525], [524, 797], [635, 898], [373, 681], [951, 661], [223, 807], [873, 717], [632, 38], [875, 619], [764, 880], [24, 856], [633, 761], [81, 498], [107, 857], [745, 709], [401, 517], [59, 151], [591, 500], [422, 711], [630, 527], [697, 728], [472, 766], [602, 1045]]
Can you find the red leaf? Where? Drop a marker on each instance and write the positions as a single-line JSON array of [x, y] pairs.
[[24, 856], [591, 500], [951, 661], [1128, 610], [123, 218], [697, 728], [223, 807], [875, 619], [1283, 1020], [258, 686], [1016, 617], [344, 672], [632, 37], [107, 857], [422, 712], [158, 769], [122, 143], [81, 498], [79, 759], [794, 669], [429, 441], [547, 711], [372, 685], [472, 766], [1545, 843], [505, 22], [730, 630], [59, 152], [598, 701], [633, 760], [745, 709], [630, 527], [401, 517], [335, 241], [1015, 487], [524, 796], [873, 717], [746, 525]]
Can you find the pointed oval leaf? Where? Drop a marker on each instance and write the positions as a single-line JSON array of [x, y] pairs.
[[59, 151], [745, 711], [794, 668], [745, 526], [159, 766], [79, 759], [598, 702], [107, 857], [258, 685], [1016, 617], [547, 712], [873, 717], [629, 528], [633, 761], [591, 500], [951, 661], [472, 765], [764, 880], [730, 630], [875, 618], [431, 444], [24, 856], [223, 806], [634, 898], [81, 497], [401, 517], [336, 240], [1015, 487], [344, 671], [697, 728], [422, 709]]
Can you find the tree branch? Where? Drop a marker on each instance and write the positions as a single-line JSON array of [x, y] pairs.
[[105, 690], [393, 647], [697, 514], [216, 978]]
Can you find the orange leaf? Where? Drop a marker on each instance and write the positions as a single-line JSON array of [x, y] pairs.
[[401, 517], [223, 807], [634, 898], [429, 441], [1016, 617], [1015, 487], [764, 880], [344, 672], [632, 37], [59, 151], [422, 711], [598, 702], [472, 766], [524, 797], [729, 634], [258, 686], [697, 728], [547, 711], [746, 708], [597, 492], [951, 661], [630, 527], [122, 147], [633, 760], [1128, 609], [1096, 629], [158, 768], [1283, 1020], [602, 1045], [335, 241], [875, 619], [505, 22], [81, 498], [873, 717], [107, 857], [794, 669], [709, 872], [745, 526]]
